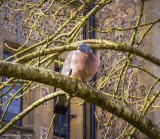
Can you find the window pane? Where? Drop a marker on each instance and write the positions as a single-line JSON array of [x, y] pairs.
[[15, 106], [60, 126]]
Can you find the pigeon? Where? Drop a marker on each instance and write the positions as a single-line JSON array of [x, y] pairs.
[[80, 63]]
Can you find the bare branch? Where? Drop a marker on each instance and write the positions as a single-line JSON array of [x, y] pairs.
[[94, 44]]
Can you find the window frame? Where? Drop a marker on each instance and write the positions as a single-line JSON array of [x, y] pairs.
[[20, 105]]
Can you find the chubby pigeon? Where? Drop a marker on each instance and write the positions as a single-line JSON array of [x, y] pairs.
[[80, 63]]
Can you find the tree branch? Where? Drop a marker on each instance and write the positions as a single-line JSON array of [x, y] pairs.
[[94, 44], [29, 109], [75, 87]]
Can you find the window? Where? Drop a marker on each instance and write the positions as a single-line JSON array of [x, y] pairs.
[[61, 122], [61, 126], [15, 106]]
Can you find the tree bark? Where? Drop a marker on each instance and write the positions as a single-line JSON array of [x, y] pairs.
[[75, 87]]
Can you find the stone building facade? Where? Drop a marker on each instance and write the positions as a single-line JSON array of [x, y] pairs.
[[122, 14], [80, 121]]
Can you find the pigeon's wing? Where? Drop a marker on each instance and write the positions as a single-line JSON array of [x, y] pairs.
[[61, 105], [66, 70]]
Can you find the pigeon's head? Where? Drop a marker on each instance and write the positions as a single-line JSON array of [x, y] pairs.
[[84, 48]]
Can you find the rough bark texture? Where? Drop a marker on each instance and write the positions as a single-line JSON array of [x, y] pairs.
[[76, 88]]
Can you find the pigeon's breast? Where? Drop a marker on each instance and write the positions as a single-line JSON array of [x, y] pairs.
[[84, 65]]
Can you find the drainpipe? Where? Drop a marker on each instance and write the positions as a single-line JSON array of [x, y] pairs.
[[18, 29], [92, 106]]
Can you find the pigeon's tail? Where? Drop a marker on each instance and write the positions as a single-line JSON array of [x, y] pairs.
[[61, 105], [59, 109]]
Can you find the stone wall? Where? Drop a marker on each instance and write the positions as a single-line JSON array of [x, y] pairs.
[[124, 14], [118, 14], [36, 26]]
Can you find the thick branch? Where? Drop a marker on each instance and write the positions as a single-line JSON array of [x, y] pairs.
[[95, 44], [77, 88]]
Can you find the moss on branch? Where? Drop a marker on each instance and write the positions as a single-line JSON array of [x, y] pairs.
[[75, 87]]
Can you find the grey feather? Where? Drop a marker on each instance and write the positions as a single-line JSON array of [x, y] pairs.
[[62, 102]]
